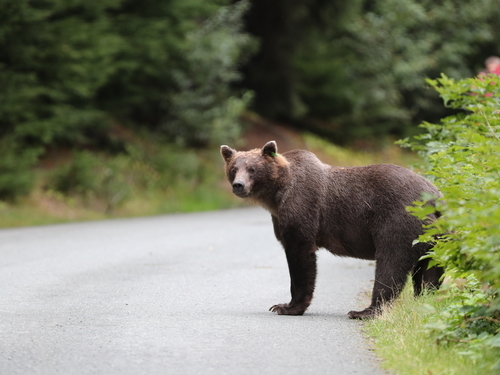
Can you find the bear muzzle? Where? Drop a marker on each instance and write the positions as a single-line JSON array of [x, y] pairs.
[[239, 189]]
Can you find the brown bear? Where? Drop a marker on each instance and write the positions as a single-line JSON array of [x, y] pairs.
[[355, 212]]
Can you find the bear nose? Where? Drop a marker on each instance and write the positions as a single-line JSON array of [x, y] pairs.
[[238, 187]]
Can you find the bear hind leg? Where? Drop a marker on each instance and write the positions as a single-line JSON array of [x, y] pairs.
[[390, 280], [427, 278]]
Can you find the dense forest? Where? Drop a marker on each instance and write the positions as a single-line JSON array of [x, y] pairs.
[[78, 75]]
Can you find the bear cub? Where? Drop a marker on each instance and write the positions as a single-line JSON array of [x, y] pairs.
[[355, 212]]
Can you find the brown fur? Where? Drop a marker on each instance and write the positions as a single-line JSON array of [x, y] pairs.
[[356, 212]]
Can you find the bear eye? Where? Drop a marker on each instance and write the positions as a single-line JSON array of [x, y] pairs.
[[233, 171], [251, 170]]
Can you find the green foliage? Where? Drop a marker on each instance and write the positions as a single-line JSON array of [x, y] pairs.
[[16, 174], [373, 70], [152, 36], [54, 57], [162, 168], [78, 176], [289, 32], [205, 110], [356, 69], [67, 67], [462, 154], [89, 176], [465, 321]]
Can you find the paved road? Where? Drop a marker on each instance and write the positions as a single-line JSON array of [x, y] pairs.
[[177, 294]]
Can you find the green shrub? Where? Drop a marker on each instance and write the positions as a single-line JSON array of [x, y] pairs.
[[78, 176], [161, 167], [16, 173], [89, 176], [462, 154]]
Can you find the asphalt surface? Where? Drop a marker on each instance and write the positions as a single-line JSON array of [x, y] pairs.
[[176, 294]]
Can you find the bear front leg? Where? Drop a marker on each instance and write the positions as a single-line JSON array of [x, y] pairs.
[[302, 267]]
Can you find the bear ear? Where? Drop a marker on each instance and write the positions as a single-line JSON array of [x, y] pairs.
[[270, 148], [226, 152]]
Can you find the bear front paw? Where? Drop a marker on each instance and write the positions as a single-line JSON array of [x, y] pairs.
[[287, 309]]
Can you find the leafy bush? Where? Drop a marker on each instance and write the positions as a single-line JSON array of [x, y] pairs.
[[89, 176], [77, 176], [162, 167], [16, 174], [462, 155], [465, 319]]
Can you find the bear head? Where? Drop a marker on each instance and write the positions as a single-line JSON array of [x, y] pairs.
[[253, 173]]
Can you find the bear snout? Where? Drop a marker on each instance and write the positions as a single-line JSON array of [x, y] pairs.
[[238, 187]]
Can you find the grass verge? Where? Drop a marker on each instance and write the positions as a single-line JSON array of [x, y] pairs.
[[406, 347]]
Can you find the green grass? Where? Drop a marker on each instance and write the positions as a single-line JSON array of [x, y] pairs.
[[386, 153], [43, 208], [406, 347], [48, 207]]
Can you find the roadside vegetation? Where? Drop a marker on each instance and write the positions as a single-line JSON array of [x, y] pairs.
[[456, 330], [403, 339], [148, 180]]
